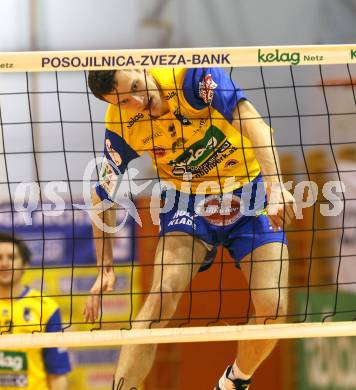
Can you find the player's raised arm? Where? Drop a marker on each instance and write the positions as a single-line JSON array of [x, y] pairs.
[[281, 203]]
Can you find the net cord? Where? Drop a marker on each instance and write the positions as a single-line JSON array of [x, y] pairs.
[[50, 61], [177, 335]]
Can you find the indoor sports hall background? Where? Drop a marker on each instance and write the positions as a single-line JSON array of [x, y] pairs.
[[321, 118]]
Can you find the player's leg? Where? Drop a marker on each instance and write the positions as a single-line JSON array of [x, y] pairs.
[[177, 260], [266, 271]]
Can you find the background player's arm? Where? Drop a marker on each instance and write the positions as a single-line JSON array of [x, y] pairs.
[[55, 360], [104, 259], [280, 201], [57, 382]]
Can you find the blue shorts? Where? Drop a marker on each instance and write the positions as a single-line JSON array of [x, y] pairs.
[[234, 220]]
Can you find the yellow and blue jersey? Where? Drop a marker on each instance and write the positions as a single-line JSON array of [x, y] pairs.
[[28, 368], [195, 141], [194, 147]]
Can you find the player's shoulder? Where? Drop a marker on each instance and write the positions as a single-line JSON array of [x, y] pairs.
[[168, 76], [199, 85], [194, 76]]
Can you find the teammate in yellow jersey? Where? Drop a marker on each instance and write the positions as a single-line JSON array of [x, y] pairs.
[[23, 310], [222, 186]]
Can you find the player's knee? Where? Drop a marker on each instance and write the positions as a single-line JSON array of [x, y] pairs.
[[174, 280], [272, 309], [166, 296], [163, 308]]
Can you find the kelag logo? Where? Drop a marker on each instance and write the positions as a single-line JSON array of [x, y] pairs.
[[14, 361], [277, 56]]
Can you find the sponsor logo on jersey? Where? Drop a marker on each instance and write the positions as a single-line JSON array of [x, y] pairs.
[[159, 151], [114, 155], [182, 119], [202, 123], [13, 361], [172, 130], [134, 119], [13, 381], [206, 89], [171, 95], [200, 150], [156, 134], [178, 144], [220, 210], [182, 217], [107, 177], [200, 157]]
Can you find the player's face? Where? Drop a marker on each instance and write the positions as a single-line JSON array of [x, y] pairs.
[[11, 264], [137, 91]]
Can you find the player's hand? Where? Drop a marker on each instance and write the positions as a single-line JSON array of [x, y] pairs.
[[104, 282], [281, 207]]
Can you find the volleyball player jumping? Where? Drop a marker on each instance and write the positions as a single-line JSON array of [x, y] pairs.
[[206, 139]]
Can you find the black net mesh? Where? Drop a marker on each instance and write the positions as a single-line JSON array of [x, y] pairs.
[[52, 127]]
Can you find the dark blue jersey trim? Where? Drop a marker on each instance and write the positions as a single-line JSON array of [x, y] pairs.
[[118, 153], [124, 151]]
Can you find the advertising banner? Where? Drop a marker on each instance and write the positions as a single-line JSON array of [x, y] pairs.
[[327, 363]]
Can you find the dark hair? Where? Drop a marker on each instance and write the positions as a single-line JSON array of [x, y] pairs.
[[25, 252], [101, 82]]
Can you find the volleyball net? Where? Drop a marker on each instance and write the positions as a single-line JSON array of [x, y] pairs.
[[52, 136]]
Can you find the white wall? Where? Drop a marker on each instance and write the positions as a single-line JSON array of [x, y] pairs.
[[87, 24], [14, 25], [109, 24]]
